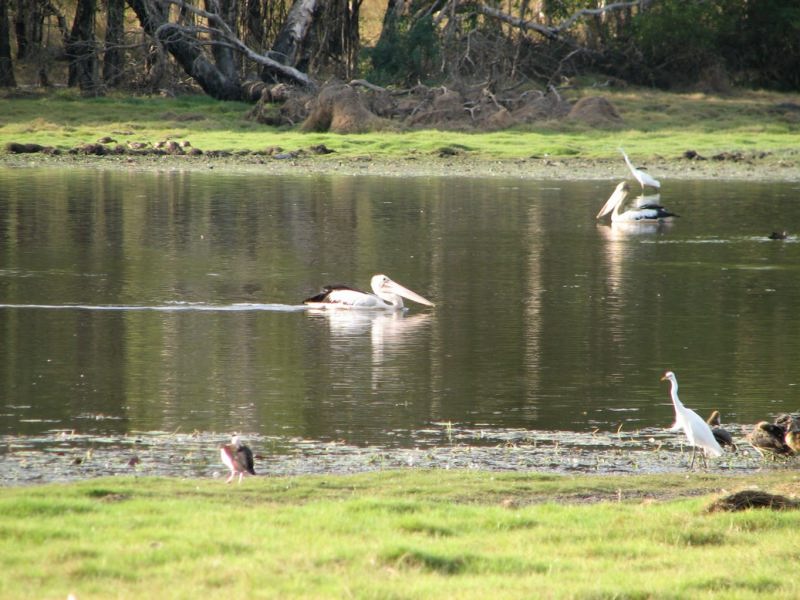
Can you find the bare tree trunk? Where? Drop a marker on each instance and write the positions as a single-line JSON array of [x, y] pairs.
[[186, 49], [6, 66], [224, 58], [186, 43], [115, 36], [254, 24], [81, 49], [289, 45]]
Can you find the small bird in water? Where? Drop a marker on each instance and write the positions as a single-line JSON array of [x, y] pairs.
[[238, 458], [723, 436], [778, 235]]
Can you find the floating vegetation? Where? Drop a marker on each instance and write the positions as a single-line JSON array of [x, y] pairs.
[[68, 455]]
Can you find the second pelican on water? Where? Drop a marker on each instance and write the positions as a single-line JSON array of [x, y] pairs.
[[387, 295], [645, 212]]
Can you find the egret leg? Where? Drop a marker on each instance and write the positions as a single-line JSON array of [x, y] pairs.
[[694, 451], [230, 477]]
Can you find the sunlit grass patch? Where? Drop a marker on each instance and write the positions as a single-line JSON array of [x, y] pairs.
[[655, 124], [427, 533]]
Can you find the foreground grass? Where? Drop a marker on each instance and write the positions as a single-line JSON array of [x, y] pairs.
[[655, 124], [404, 534]]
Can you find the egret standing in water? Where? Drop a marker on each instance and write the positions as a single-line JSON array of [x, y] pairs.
[[697, 431], [644, 179], [238, 458]]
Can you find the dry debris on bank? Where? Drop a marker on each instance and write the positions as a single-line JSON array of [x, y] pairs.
[[748, 499]]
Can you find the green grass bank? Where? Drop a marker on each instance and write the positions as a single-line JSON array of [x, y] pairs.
[[399, 534], [763, 129]]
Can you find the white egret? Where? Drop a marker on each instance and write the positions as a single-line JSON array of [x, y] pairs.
[[646, 213], [697, 431], [644, 179], [238, 458], [388, 295]]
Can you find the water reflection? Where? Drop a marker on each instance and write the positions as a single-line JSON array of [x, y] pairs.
[[168, 302], [391, 334]]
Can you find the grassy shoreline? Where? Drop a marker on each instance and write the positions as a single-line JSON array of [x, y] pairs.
[[757, 133], [399, 534]]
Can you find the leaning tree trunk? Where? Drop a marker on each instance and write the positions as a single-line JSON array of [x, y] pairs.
[[82, 49], [187, 48], [154, 17], [6, 66], [115, 35]]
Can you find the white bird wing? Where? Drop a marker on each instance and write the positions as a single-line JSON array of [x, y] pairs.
[[344, 297], [641, 176], [353, 298], [699, 433]]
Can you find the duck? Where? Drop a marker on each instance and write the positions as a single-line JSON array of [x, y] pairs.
[[723, 436], [791, 425], [769, 438]]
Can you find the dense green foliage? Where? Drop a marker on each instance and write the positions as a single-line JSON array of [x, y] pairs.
[[406, 53], [677, 43]]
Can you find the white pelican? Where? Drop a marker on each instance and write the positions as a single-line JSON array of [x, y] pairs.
[[697, 431], [647, 212], [388, 295], [644, 179], [238, 458]]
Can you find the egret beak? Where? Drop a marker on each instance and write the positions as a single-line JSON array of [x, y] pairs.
[[395, 288], [663, 378]]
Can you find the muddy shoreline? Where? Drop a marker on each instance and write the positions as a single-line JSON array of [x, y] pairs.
[[754, 168], [70, 455]]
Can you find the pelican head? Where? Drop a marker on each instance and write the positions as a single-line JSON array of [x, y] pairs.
[[617, 198], [393, 293]]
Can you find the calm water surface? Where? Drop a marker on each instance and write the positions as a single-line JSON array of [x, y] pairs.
[[134, 302]]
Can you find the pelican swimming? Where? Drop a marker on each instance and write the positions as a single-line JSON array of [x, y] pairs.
[[238, 458], [645, 212], [387, 295], [644, 179]]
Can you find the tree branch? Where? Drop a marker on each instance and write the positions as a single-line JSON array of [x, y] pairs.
[[552, 32], [224, 31]]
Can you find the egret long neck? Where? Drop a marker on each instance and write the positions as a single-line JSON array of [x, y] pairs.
[[673, 391], [627, 161]]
